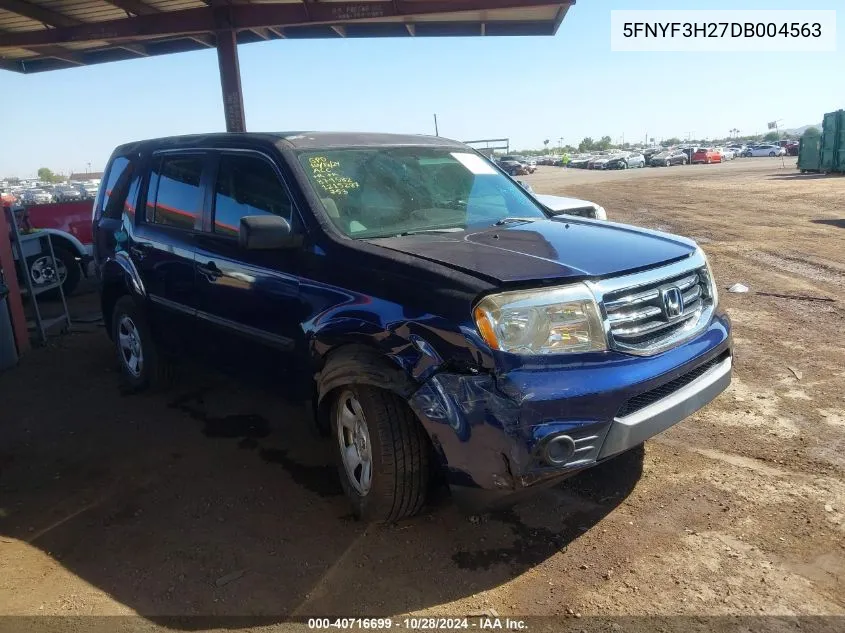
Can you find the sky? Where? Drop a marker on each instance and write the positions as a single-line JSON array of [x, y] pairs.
[[526, 89]]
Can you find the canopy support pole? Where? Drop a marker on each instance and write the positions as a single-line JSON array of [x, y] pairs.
[[230, 81]]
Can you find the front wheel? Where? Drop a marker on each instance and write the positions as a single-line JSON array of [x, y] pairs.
[[668, 163], [772, 154], [382, 453]]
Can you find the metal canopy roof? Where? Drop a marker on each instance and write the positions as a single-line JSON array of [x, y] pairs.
[[41, 35]]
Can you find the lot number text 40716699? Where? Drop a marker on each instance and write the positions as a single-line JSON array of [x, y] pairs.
[[482, 623]]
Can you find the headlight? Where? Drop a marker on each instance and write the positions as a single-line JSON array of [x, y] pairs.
[[714, 288], [555, 321]]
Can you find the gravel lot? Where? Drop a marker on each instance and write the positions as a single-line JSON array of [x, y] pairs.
[[215, 499]]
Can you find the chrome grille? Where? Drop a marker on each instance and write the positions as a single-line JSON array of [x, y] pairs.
[[649, 312]]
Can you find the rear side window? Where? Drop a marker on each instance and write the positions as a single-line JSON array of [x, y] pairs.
[[247, 185], [117, 187], [177, 198]]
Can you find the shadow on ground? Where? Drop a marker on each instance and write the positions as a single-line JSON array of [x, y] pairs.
[[217, 500], [800, 176], [839, 223]]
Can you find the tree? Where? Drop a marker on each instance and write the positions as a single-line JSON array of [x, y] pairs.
[[587, 145], [47, 175], [771, 136], [604, 143], [812, 131], [672, 141]]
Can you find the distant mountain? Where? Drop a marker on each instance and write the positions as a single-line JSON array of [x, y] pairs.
[[798, 131]]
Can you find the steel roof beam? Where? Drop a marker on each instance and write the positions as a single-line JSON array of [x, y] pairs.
[[56, 19], [38, 13], [249, 16], [136, 7]]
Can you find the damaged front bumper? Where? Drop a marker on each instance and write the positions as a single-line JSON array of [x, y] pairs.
[[498, 435]]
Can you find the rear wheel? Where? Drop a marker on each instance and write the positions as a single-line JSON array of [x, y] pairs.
[[667, 163], [142, 363], [44, 270], [382, 453], [772, 154]]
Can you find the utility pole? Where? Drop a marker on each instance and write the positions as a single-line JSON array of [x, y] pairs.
[[436, 130]]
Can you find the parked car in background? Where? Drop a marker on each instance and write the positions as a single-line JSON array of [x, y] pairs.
[[727, 153], [88, 190], [36, 196], [499, 347], [706, 155], [580, 161], [599, 162], [649, 152], [513, 167], [792, 149], [627, 160], [669, 157], [528, 166], [66, 194], [767, 150]]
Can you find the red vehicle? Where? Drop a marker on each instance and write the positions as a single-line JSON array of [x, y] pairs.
[[706, 155], [69, 225]]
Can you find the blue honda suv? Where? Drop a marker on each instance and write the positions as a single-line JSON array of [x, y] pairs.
[[439, 319]]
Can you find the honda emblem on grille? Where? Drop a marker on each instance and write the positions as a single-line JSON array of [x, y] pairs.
[[673, 302]]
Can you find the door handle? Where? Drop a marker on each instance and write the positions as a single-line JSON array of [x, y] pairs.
[[210, 270]]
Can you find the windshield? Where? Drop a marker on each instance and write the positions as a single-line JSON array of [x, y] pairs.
[[389, 191]]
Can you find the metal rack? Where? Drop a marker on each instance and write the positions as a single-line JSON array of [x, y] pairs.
[[26, 245]]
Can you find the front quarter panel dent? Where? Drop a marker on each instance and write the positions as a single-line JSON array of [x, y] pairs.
[[470, 421]]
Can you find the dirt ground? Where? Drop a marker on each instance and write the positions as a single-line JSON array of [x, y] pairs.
[[216, 499]]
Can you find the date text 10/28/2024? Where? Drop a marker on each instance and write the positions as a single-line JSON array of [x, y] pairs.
[[483, 623]]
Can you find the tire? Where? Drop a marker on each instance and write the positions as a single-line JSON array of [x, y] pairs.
[[623, 165], [368, 422], [668, 163], [772, 154], [683, 161], [42, 270], [153, 369]]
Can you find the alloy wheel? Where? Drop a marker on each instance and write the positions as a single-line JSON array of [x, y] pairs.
[[353, 437], [129, 342]]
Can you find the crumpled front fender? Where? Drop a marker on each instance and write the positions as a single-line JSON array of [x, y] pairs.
[[470, 422]]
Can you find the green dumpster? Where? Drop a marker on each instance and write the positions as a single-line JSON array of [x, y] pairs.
[[831, 131], [839, 163], [809, 151]]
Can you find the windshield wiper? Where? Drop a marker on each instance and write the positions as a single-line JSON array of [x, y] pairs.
[[504, 221], [450, 229]]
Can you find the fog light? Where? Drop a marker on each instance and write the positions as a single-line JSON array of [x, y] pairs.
[[559, 450]]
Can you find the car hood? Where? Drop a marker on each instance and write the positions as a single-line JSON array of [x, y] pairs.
[[558, 248]]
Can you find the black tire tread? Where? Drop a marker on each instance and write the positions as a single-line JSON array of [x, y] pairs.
[[404, 453]]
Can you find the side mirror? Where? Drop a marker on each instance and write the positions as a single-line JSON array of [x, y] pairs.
[[264, 232]]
